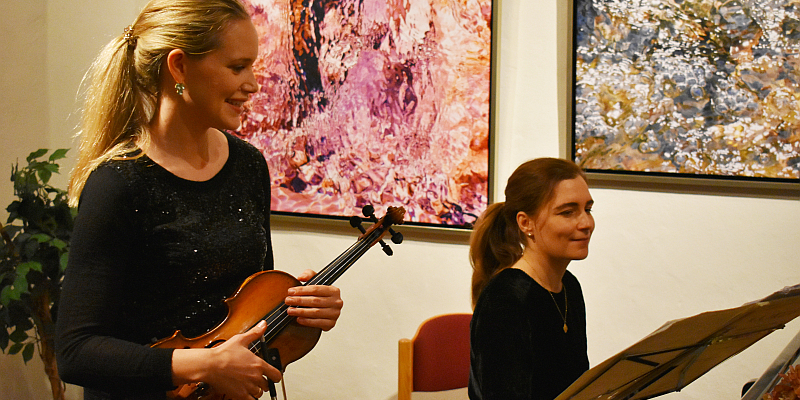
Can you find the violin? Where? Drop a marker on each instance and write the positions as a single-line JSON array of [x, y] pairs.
[[261, 296]]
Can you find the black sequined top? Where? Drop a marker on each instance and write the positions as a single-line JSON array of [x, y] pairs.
[[519, 350], [150, 254]]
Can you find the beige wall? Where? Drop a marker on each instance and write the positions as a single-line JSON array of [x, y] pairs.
[[655, 256], [23, 90]]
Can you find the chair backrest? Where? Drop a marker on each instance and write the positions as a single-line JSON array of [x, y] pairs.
[[437, 358]]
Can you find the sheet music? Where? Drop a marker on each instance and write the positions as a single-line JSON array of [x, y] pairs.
[[682, 350]]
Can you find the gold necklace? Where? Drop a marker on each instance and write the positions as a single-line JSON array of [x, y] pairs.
[[566, 307], [566, 303]]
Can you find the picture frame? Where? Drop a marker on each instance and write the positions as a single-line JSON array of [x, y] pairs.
[[385, 103], [687, 95]]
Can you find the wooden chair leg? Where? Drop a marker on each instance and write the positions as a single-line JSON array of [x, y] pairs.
[[405, 362]]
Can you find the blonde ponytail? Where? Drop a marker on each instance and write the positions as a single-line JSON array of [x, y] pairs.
[[111, 119], [123, 83]]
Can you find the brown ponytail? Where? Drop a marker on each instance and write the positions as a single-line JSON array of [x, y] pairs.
[[497, 242]]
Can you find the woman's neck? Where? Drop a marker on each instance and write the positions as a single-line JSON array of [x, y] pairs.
[[190, 152], [545, 272]]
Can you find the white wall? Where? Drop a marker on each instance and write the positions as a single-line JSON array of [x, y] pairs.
[[655, 256]]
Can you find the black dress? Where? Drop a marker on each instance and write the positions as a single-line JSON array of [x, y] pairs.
[[152, 253], [519, 350]]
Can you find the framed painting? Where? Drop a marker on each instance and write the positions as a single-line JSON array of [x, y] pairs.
[[374, 102], [688, 89]]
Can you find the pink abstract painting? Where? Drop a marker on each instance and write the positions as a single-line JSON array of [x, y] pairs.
[[374, 102]]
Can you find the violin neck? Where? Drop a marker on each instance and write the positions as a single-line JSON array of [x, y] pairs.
[[337, 267], [278, 319]]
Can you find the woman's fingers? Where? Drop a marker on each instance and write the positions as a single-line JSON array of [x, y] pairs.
[[315, 306]]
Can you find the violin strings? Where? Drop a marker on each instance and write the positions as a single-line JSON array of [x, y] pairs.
[[326, 277]]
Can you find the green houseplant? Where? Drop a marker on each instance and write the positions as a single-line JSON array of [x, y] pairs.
[[33, 257]]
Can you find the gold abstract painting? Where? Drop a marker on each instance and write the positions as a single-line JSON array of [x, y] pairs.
[[703, 88]]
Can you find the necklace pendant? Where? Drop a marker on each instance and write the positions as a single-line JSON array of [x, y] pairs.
[[565, 327]]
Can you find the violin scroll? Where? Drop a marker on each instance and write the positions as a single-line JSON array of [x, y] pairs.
[[394, 216]]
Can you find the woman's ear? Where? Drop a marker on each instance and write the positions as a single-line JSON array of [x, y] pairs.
[[525, 223], [176, 65]]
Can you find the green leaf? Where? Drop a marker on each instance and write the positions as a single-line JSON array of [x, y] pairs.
[[15, 348], [30, 265], [58, 243], [58, 154], [51, 167], [22, 269], [45, 175], [6, 296], [23, 321], [20, 286], [41, 237], [18, 336], [63, 261], [36, 154], [3, 339], [21, 281], [27, 354], [29, 249]]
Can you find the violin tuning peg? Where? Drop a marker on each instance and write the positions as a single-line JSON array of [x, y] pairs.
[[368, 210], [397, 237]]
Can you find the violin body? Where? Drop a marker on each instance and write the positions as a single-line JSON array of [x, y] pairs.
[[259, 295]]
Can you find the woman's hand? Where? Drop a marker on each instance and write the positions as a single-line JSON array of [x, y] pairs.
[[230, 368], [316, 305]]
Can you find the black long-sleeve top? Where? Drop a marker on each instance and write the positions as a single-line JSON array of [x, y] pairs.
[[519, 350], [150, 254]]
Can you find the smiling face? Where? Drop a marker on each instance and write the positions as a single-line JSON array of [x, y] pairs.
[[563, 227], [218, 83]]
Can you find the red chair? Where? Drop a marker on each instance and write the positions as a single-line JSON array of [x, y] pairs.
[[437, 358]]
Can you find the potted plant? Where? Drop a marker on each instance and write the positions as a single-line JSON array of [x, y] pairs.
[[33, 256]]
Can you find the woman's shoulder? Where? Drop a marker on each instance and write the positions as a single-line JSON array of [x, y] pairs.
[[509, 285], [237, 143], [109, 184], [570, 280], [110, 175], [243, 150], [512, 276]]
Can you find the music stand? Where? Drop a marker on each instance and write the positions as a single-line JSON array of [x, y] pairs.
[[683, 350]]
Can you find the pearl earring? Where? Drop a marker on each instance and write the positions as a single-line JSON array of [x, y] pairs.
[[179, 88]]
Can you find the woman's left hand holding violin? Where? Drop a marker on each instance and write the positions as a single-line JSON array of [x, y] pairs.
[[316, 306]]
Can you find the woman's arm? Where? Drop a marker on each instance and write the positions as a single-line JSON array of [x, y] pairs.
[[502, 355], [89, 352]]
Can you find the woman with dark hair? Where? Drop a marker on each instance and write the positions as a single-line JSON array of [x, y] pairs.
[[528, 331], [173, 211]]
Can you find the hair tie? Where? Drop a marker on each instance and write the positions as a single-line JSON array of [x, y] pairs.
[[129, 38]]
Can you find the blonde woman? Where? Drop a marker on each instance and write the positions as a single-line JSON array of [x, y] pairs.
[[173, 210], [528, 331]]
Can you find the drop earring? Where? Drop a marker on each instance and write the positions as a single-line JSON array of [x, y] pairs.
[[179, 88]]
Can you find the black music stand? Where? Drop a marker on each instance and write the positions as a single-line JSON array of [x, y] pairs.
[[683, 350]]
